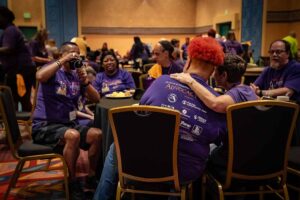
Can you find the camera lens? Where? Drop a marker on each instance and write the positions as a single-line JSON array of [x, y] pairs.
[[78, 63]]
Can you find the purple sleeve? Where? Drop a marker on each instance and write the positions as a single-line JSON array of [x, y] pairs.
[[97, 83], [293, 79], [9, 39], [261, 79], [128, 80]]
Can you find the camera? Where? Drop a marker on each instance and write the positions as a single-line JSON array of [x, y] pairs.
[[76, 63]]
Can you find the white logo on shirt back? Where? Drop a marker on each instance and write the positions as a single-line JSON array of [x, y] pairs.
[[183, 124], [200, 119], [197, 130], [172, 98]]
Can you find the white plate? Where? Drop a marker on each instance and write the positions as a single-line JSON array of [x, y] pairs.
[[110, 96]]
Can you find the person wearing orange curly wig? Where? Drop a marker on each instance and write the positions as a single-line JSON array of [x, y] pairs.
[[200, 125]]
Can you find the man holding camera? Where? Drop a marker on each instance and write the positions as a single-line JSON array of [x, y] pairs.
[[62, 83]]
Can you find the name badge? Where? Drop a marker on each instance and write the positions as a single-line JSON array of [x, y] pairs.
[[72, 115]]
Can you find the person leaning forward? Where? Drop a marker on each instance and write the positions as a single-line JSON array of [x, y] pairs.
[[54, 119]]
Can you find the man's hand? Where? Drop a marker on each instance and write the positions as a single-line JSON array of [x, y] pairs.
[[82, 74]]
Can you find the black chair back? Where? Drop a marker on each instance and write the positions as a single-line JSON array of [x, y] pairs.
[[146, 139], [259, 136], [8, 109]]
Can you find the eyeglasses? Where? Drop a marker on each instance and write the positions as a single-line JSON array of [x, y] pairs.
[[277, 51]]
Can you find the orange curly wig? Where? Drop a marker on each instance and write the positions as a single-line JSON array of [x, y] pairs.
[[206, 49]]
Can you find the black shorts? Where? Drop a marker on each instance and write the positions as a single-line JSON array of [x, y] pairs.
[[51, 134]]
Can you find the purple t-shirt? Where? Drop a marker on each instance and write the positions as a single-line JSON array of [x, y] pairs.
[[14, 39], [233, 47], [57, 98], [288, 76], [241, 93], [120, 81], [199, 125]]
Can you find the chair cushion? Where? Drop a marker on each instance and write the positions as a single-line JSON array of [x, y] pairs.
[[294, 157], [23, 115], [28, 148]]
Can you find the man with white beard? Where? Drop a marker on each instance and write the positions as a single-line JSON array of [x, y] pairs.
[[282, 77]]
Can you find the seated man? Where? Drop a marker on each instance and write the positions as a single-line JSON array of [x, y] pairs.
[[54, 119], [282, 77], [199, 127], [162, 54]]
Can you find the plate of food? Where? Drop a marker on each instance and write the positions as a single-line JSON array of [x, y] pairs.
[[119, 95]]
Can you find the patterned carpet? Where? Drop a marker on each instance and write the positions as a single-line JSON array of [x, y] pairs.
[[37, 185]]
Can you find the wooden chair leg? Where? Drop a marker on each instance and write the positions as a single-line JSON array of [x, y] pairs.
[[118, 195], [14, 178]]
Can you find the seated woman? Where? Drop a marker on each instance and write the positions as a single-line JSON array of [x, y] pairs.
[[227, 76], [113, 78]]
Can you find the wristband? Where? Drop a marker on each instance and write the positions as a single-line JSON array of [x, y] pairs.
[[190, 82], [58, 63]]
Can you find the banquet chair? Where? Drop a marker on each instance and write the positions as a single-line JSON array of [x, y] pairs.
[[146, 141], [259, 137], [25, 150], [147, 66], [24, 117], [293, 181]]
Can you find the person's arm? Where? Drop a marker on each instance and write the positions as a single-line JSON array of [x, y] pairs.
[[84, 115], [48, 71], [218, 104], [284, 91], [5, 50], [90, 92], [40, 59]]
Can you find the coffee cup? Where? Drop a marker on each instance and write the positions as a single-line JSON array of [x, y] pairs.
[[283, 98]]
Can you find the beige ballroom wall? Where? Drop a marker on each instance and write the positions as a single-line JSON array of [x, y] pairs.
[[209, 13], [152, 14], [34, 7], [135, 14], [275, 30]]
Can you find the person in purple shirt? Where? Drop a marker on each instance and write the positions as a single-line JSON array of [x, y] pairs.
[[184, 49], [199, 127], [282, 77], [227, 76], [38, 49], [54, 118], [232, 45], [113, 78], [15, 58], [163, 56]]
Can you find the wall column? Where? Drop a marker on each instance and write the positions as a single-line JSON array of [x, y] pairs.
[[61, 20], [252, 23]]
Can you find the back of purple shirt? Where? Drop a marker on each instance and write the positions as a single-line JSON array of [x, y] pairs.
[[199, 125], [57, 98], [241, 93], [21, 57]]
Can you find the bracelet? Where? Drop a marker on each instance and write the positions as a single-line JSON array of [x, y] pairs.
[[190, 83], [58, 63]]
